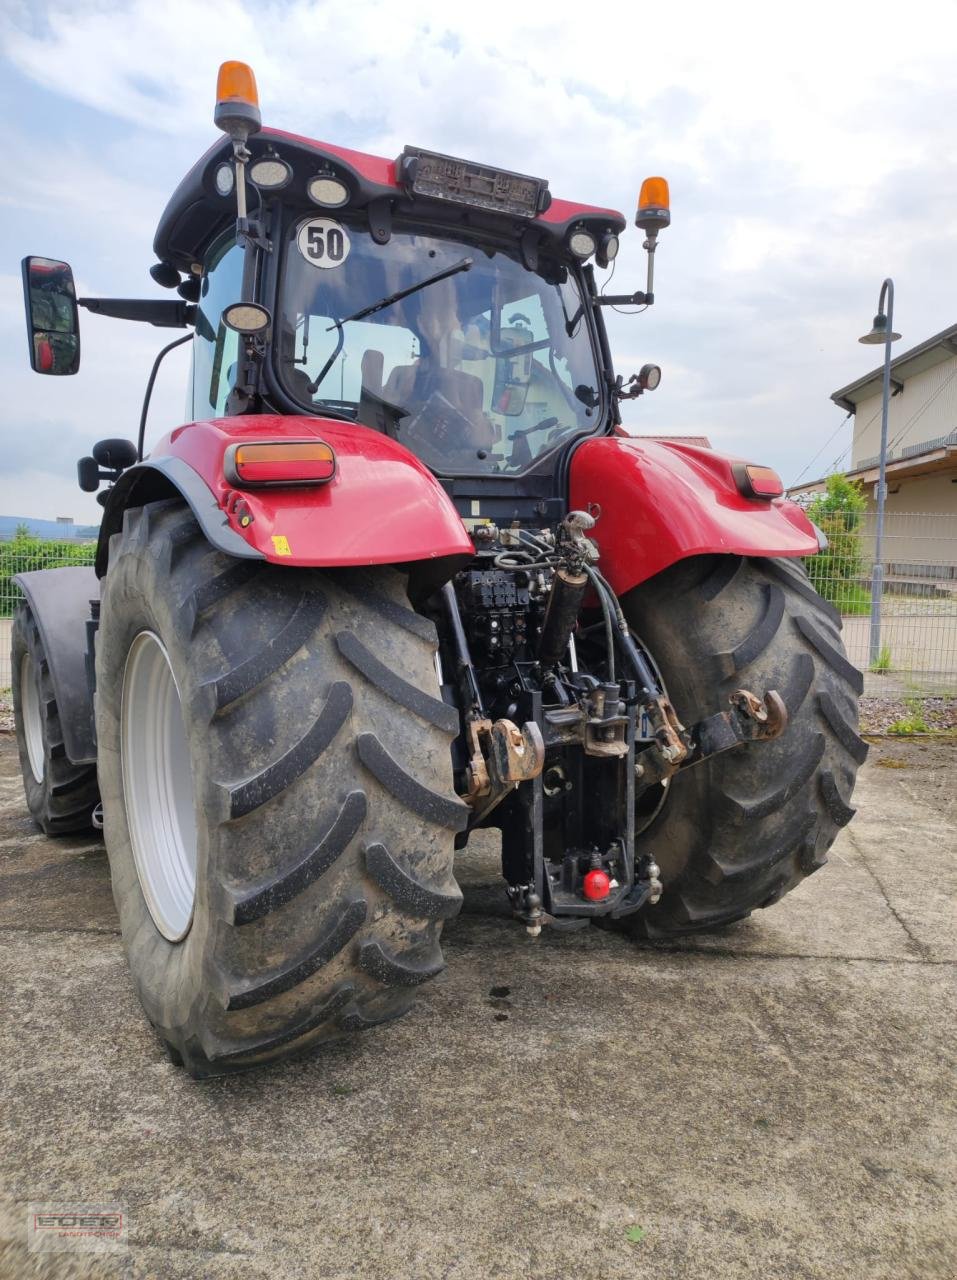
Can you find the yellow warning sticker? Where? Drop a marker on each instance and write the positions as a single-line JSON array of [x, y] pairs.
[[280, 544]]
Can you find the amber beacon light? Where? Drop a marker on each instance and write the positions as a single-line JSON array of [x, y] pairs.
[[654, 205], [237, 101]]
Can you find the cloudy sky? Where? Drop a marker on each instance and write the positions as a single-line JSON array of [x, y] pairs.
[[810, 150]]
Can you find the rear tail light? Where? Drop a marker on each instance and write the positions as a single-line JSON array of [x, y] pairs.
[[759, 482], [286, 462]]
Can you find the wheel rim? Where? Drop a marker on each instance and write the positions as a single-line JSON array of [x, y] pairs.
[[30, 713], [158, 787]]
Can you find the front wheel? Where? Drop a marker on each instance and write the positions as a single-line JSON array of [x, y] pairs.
[[740, 830], [277, 793], [61, 796]]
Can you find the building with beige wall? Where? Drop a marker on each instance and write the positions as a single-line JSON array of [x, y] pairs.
[[921, 455]]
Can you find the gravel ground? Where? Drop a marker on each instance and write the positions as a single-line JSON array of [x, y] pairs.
[[879, 713], [770, 1102]]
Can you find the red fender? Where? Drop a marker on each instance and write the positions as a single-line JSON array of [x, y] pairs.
[[661, 502], [381, 507]]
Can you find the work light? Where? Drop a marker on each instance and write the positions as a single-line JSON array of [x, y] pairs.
[[328, 191], [270, 173], [582, 244]]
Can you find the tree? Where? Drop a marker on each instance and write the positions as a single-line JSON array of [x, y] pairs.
[[838, 572]]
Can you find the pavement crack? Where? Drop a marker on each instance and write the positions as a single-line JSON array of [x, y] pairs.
[[920, 947]]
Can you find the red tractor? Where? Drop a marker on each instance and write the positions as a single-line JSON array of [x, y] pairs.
[[402, 577]]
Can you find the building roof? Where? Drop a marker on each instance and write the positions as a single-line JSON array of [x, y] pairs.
[[701, 441], [933, 351], [926, 459]]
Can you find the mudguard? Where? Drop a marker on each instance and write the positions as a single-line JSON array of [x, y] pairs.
[[60, 602], [383, 506], [659, 502]]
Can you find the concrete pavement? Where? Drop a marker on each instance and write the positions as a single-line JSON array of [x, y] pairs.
[[772, 1101]]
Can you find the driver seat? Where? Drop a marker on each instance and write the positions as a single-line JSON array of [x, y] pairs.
[[412, 384]]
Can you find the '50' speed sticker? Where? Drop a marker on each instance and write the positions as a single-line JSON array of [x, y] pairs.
[[323, 242]]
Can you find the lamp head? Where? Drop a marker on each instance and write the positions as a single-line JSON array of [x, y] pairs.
[[878, 334]]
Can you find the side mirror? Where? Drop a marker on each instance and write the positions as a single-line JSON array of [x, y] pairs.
[[513, 376], [110, 459], [115, 455], [53, 324]]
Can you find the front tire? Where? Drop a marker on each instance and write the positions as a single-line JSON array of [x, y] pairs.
[[306, 875], [742, 829], [61, 796]]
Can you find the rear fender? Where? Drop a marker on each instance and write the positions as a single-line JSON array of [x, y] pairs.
[[658, 503], [59, 600], [381, 507]]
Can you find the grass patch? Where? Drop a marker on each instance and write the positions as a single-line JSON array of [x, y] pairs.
[[882, 663], [851, 599]]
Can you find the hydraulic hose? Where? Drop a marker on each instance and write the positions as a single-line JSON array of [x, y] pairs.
[[596, 581]]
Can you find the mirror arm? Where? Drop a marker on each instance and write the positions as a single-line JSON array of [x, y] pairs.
[[246, 391], [141, 437], [164, 313], [637, 299], [640, 298]]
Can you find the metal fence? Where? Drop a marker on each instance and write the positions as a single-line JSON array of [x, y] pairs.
[[918, 637], [21, 555], [917, 643]]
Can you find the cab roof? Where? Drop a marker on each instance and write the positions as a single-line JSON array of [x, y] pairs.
[[197, 212]]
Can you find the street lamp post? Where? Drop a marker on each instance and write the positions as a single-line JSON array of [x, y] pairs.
[[881, 332]]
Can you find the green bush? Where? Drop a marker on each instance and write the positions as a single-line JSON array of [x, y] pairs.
[[837, 572], [912, 723], [25, 553]]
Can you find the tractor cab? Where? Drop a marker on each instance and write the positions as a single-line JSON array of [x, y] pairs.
[[445, 304]]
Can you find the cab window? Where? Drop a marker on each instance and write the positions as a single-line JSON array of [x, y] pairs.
[[215, 348]]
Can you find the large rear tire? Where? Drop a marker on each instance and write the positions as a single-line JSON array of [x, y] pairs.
[[61, 796], [277, 790], [740, 830]]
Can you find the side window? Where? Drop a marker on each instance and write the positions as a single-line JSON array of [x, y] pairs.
[[215, 348]]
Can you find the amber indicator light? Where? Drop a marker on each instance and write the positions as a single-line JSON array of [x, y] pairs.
[[288, 462], [763, 482]]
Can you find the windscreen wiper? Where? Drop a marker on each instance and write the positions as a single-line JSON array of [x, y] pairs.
[[464, 265]]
